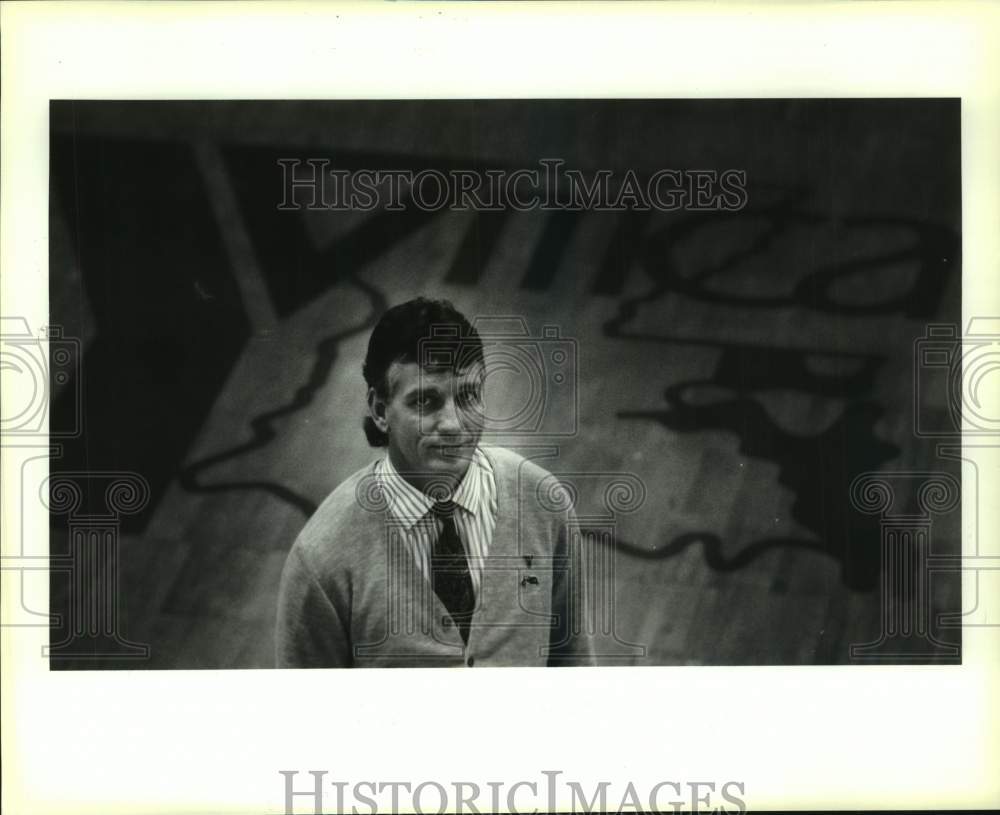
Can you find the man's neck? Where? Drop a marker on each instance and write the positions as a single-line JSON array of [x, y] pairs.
[[424, 481]]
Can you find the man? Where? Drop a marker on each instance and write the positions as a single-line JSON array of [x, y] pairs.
[[442, 553]]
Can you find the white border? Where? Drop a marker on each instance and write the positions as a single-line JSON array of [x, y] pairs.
[[214, 741]]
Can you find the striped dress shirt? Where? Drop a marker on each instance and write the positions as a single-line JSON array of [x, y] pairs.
[[476, 516]]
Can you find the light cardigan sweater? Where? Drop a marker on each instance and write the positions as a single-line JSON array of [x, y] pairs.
[[352, 596]]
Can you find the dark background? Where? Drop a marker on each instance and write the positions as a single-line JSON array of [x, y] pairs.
[[745, 366]]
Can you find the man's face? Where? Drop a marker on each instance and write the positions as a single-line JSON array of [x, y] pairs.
[[433, 420]]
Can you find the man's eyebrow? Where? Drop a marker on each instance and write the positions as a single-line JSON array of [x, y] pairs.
[[420, 390], [473, 374]]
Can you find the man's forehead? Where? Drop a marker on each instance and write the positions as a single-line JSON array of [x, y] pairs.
[[410, 375]]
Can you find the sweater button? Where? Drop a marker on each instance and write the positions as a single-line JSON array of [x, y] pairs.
[[470, 661]]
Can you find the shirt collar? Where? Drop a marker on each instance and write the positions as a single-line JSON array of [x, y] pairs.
[[408, 504]]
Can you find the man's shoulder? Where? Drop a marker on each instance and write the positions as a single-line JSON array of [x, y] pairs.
[[541, 497], [508, 463], [346, 515]]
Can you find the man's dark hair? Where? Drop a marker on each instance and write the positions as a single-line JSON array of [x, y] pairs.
[[402, 334]]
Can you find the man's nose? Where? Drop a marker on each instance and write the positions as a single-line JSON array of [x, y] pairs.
[[449, 419]]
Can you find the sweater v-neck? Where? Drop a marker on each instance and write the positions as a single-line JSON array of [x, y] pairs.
[[502, 550]]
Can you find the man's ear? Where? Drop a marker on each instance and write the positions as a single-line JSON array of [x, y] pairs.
[[376, 409]]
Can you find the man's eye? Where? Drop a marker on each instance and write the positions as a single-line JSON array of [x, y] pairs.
[[428, 402]]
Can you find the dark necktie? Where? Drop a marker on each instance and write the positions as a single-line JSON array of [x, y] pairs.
[[450, 570]]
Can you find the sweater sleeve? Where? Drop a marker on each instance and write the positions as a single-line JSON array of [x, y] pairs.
[[312, 632], [573, 639]]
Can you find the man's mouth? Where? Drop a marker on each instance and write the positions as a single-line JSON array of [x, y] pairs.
[[451, 447]]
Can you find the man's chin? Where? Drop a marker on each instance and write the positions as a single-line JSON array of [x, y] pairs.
[[451, 456]]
